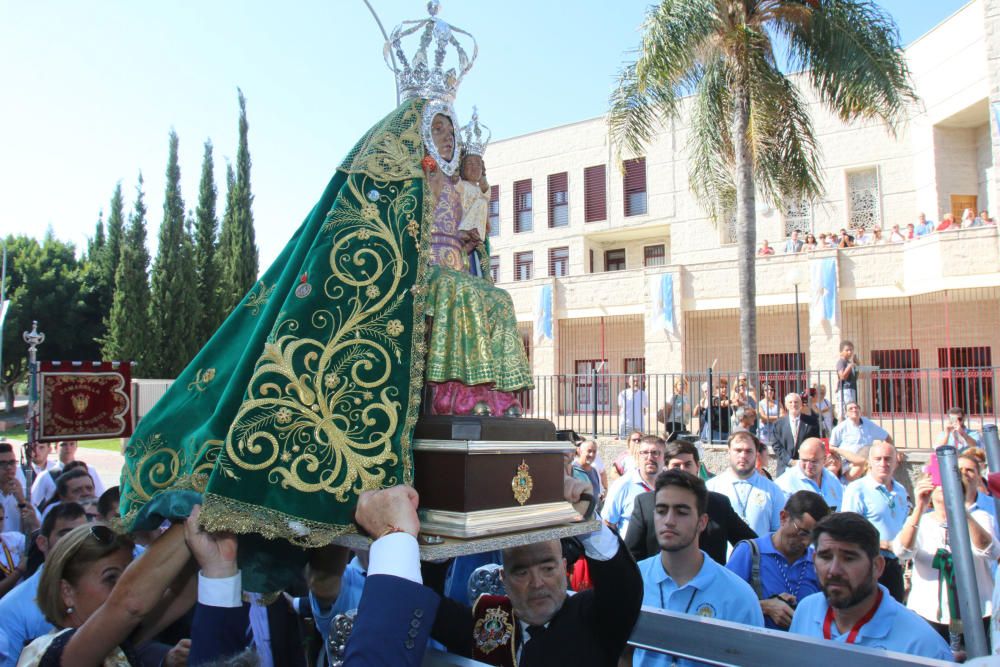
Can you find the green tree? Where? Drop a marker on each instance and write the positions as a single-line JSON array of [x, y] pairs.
[[44, 283], [240, 252], [96, 244], [750, 129], [205, 241], [226, 243], [172, 284], [128, 322]]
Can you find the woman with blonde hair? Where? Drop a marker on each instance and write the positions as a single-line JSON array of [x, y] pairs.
[[102, 604]]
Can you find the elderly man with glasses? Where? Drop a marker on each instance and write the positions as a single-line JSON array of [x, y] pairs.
[[851, 440]]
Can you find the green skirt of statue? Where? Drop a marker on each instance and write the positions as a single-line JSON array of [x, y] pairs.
[[474, 338]]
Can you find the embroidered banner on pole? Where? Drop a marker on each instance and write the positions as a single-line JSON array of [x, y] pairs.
[[84, 400], [823, 291], [543, 314]]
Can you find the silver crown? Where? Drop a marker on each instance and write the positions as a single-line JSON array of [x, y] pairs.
[[473, 141], [417, 77]]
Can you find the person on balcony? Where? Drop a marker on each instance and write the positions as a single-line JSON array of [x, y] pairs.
[[793, 244], [956, 433], [765, 249]]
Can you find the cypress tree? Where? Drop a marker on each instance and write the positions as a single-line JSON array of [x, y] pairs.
[[206, 268], [224, 259], [95, 245], [187, 287], [128, 322], [107, 259], [241, 257]]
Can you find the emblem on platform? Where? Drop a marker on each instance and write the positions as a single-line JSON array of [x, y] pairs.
[[493, 631], [522, 484]]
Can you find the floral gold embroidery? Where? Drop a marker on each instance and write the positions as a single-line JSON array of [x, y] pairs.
[[201, 380], [394, 328], [257, 297]]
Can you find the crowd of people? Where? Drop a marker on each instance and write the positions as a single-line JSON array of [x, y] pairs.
[[830, 547], [798, 241]]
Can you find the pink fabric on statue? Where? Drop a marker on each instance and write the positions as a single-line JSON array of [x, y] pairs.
[[455, 398]]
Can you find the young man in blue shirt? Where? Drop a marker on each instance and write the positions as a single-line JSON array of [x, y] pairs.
[[852, 607], [682, 578], [785, 572]]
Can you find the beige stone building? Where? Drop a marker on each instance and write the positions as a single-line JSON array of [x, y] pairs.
[[601, 232]]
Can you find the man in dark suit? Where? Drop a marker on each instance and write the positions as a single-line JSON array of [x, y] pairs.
[[724, 524], [791, 431], [537, 624]]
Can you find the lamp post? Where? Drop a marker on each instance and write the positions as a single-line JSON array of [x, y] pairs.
[[33, 338], [795, 277]]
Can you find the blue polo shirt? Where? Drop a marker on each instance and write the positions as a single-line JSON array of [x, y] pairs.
[[714, 592], [851, 437], [618, 505], [777, 575], [885, 508], [794, 480], [756, 499], [892, 628], [21, 621]]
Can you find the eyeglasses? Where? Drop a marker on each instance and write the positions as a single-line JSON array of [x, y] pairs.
[[8, 464], [801, 533], [650, 453]]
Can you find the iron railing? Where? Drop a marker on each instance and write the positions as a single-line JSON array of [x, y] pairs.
[[911, 404]]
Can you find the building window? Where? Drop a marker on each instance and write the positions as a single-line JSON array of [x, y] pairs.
[[494, 211], [523, 265], [614, 260], [654, 255], [495, 268], [591, 252], [798, 216], [634, 186], [586, 388], [522, 206], [896, 385], [784, 371], [558, 200], [863, 202], [967, 379], [558, 262], [635, 366], [595, 194]]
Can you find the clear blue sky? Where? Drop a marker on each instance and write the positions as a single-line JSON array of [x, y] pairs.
[[91, 90]]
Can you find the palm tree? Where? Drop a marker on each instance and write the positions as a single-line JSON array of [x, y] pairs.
[[750, 130]]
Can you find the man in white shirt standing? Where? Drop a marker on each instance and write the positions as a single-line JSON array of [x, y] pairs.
[[39, 463], [633, 406], [754, 497], [44, 488]]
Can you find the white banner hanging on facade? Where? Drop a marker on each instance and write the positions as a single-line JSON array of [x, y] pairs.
[[823, 291], [543, 314], [661, 292]]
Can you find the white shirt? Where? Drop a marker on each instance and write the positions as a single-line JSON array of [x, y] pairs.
[[632, 407], [931, 535], [38, 471], [44, 488]]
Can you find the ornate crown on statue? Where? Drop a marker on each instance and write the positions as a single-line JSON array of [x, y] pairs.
[[424, 75], [475, 136]]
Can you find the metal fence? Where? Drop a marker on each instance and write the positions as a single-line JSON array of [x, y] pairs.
[[911, 404]]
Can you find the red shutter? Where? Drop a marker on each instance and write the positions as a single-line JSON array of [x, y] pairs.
[[494, 212], [558, 262], [558, 200], [522, 206], [634, 186], [595, 199]]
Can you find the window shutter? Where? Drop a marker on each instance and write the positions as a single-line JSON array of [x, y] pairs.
[[494, 211], [558, 200], [495, 267], [522, 206], [523, 265], [595, 198], [634, 186], [614, 260], [654, 255], [558, 262]]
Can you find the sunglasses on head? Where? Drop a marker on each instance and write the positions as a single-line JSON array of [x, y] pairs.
[[102, 534]]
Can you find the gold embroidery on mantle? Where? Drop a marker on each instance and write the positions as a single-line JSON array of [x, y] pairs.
[[201, 380]]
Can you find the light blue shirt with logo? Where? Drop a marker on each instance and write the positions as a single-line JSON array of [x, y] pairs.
[[714, 592], [892, 628], [21, 621], [794, 480], [886, 508], [756, 499]]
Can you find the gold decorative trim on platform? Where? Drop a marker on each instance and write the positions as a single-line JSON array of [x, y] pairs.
[[491, 522], [522, 484]]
